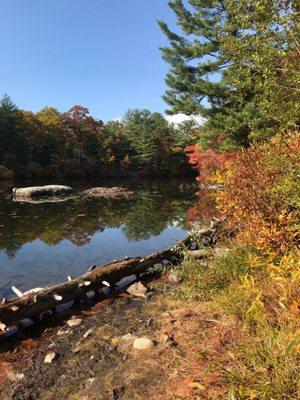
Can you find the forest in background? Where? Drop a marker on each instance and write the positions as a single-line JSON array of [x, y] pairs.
[[74, 144]]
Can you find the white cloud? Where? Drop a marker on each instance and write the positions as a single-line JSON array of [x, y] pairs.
[[178, 118]]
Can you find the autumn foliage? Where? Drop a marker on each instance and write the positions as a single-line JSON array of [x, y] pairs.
[[207, 162], [261, 194]]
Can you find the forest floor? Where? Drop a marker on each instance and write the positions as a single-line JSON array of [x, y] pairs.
[[96, 360]]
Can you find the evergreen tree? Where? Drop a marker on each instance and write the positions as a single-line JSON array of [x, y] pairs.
[[8, 129], [225, 65]]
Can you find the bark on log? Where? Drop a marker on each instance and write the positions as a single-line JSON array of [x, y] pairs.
[[31, 305]]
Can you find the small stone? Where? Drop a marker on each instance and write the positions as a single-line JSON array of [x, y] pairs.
[[193, 246], [200, 254], [174, 278], [143, 344], [49, 357], [165, 338], [126, 281], [137, 289], [15, 376], [128, 337], [74, 322], [89, 382], [168, 339]]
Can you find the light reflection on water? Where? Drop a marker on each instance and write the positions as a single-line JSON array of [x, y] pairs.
[[41, 244]]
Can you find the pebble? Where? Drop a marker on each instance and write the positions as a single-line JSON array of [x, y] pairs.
[[174, 278], [198, 254], [143, 344], [49, 357], [128, 337], [89, 382], [74, 322], [137, 289], [193, 246]]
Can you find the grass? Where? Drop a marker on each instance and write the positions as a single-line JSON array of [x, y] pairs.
[[262, 292]]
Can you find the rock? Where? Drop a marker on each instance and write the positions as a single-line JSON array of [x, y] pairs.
[[74, 322], [128, 337], [108, 192], [137, 289], [89, 383], [169, 340], [199, 254], [42, 191], [126, 281], [49, 357], [15, 376], [123, 339], [11, 330], [193, 246], [26, 322], [143, 344], [174, 278]]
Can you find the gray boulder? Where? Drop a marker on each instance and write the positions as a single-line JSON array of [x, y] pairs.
[[42, 191]]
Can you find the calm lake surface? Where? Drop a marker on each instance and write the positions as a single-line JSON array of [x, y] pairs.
[[41, 244]]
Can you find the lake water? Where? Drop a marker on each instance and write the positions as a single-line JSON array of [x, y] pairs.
[[41, 244]]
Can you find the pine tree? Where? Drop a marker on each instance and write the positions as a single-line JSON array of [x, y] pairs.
[[9, 119], [223, 66]]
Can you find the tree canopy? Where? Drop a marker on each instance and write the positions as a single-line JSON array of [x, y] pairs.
[[75, 144], [237, 64]]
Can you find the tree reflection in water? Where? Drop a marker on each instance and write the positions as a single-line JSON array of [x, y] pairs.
[[153, 207]]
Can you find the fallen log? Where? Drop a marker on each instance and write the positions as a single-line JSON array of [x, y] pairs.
[[32, 304]]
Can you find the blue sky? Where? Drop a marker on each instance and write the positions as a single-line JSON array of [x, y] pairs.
[[102, 54]]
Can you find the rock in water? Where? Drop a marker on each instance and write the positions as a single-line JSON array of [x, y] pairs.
[[143, 343], [42, 191], [137, 289], [108, 192]]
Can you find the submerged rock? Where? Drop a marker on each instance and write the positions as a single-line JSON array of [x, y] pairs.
[[42, 191], [108, 192]]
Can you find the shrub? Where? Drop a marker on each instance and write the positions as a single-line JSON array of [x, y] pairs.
[[261, 197], [207, 162]]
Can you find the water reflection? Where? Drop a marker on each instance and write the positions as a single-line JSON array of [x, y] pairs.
[[104, 229]]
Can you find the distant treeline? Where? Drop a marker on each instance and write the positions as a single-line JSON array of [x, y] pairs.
[[74, 144]]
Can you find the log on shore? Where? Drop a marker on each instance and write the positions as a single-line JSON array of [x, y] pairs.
[[33, 304]]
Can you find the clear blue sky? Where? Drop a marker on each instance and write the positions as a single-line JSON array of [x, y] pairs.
[[102, 54]]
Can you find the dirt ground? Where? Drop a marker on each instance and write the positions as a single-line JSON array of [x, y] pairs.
[[94, 361]]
